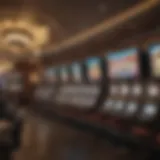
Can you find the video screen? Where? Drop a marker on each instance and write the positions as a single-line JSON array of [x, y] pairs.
[[64, 74], [51, 75], [76, 70], [94, 70], [16, 78], [154, 52], [15, 81], [123, 64]]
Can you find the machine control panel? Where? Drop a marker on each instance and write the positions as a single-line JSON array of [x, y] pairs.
[[126, 90], [81, 84], [122, 69]]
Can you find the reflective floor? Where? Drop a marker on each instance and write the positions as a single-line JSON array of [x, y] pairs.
[[44, 140]]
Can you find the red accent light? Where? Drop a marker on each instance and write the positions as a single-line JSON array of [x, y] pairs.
[[140, 131], [158, 138]]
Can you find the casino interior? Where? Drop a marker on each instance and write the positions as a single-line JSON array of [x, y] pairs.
[[61, 96]]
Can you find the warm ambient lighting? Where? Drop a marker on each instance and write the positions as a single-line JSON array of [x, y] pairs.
[[37, 37], [5, 66]]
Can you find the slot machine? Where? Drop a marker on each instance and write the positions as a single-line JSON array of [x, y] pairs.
[[77, 81], [146, 121], [46, 90], [86, 83], [14, 86], [94, 80], [62, 98], [3, 81], [72, 80], [126, 77], [81, 86], [14, 83], [3, 86], [89, 90], [149, 114]]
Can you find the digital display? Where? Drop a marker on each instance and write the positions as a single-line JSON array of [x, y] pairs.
[[94, 71], [51, 75], [123, 64], [64, 74], [154, 52], [15, 81], [76, 70]]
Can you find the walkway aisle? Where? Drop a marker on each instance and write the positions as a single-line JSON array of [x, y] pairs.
[[42, 140]]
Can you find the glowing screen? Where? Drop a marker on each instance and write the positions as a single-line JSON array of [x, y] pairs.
[[64, 74], [76, 70], [154, 52], [94, 71], [51, 75], [123, 64]]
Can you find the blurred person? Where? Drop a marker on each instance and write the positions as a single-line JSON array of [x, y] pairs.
[[9, 129]]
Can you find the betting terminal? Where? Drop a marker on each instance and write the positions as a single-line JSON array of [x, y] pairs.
[[46, 88], [14, 85], [61, 97], [125, 89], [81, 89], [150, 110], [145, 124]]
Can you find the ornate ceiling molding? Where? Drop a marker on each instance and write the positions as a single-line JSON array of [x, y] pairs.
[[39, 34]]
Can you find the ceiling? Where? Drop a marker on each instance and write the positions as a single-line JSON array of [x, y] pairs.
[[51, 21], [72, 15], [33, 26]]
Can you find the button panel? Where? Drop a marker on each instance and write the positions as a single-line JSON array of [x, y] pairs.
[[114, 89], [118, 107], [153, 90], [137, 90], [124, 89], [148, 112], [108, 106], [130, 109]]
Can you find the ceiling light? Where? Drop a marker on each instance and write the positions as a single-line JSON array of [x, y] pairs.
[[13, 33]]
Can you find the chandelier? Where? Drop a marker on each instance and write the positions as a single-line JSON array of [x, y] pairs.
[[23, 35], [5, 66]]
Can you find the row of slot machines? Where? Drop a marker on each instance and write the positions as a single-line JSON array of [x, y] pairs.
[[11, 85], [121, 88], [12, 81]]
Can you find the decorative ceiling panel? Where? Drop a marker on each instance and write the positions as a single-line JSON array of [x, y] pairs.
[[50, 21]]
